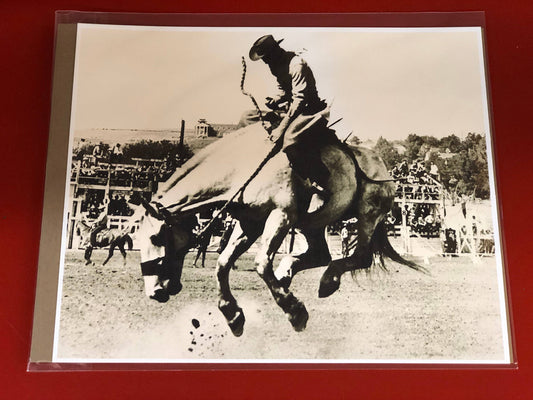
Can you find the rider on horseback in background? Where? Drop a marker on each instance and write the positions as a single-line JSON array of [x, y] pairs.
[[303, 126], [100, 223]]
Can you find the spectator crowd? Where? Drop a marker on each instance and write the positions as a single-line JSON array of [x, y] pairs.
[[104, 164]]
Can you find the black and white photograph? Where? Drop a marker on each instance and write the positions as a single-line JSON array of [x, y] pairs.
[[281, 195]]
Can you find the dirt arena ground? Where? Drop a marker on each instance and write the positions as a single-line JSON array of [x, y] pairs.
[[453, 314]]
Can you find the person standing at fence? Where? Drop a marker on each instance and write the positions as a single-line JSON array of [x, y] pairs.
[[202, 245], [463, 205], [116, 154], [229, 225], [345, 240], [389, 223], [434, 171], [98, 151]]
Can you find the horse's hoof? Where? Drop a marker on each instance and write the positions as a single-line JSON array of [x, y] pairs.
[[160, 295], [298, 318], [174, 289], [328, 285], [237, 323], [285, 282]]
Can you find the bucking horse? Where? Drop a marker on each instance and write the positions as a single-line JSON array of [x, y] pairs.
[[106, 237], [275, 201]]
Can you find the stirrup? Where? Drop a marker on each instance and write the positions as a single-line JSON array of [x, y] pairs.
[[318, 189]]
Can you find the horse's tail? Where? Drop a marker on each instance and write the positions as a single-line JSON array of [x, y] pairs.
[[129, 241], [381, 245]]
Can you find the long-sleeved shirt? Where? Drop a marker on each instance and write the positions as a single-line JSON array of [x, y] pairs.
[[297, 86]]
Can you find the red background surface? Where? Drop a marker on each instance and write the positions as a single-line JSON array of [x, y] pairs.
[[26, 44]]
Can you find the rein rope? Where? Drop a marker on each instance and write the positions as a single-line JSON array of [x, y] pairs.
[[259, 112], [270, 154]]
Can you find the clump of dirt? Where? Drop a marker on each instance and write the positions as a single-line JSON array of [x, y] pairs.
[[207, 337]]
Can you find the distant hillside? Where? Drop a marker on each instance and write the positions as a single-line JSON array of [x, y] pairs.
[[112, 136], [196, 143], [124, 136]]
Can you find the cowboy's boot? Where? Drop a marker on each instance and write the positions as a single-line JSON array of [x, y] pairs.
[[321, 194]]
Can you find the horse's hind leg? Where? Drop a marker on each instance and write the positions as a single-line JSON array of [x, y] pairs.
[[316, 255], [110, 254], [123, 252], [204, 253], [361, 258], [276, 228], [239, 242], [374, 203]]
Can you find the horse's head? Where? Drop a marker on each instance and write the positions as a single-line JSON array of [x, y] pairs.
[[83, 231], [163, 234], [81, 227], [163, 245]]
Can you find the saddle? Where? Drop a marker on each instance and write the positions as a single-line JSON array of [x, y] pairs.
[[304, 153]]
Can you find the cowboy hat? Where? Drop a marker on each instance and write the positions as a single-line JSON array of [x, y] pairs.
[[262, 46]]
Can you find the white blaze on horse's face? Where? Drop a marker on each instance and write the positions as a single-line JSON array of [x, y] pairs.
[[149, 227]]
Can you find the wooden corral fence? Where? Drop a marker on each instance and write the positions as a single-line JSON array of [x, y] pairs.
[[472, 243]]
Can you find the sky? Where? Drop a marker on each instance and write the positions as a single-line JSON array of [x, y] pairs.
[[381, 81]]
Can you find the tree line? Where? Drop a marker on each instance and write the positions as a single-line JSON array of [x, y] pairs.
[[462, 163]]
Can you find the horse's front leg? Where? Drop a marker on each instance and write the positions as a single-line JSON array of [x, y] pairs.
[[276, 228], [152, 258], [174, 268], [238, 243], [87, 255]]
